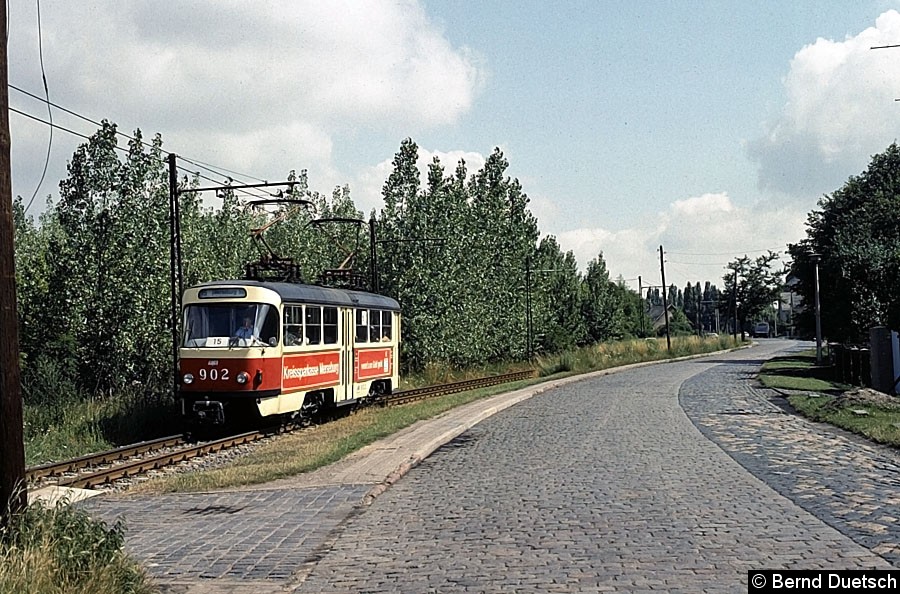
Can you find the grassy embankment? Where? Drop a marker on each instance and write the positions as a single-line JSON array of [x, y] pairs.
[[821, 399], [72, 428], [310, 449]]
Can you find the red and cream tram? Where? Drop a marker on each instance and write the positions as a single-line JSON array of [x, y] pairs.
[[259, 349]]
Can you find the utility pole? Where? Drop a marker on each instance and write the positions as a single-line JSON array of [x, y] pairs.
[[529, 346], [734, 303], [373, 255], [699, 318], [662, 268], [815, 259], [641, 312], [13, 497]]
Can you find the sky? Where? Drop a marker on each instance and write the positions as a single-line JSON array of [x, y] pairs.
[[710, 128]]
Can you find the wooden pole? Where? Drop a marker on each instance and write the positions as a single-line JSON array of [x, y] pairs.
[[13, 497], [662, 269]]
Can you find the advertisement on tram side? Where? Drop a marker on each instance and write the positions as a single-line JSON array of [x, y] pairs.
[[311, 371], [371, 363]]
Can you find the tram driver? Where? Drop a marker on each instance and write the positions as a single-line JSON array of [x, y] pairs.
[[246, 329]]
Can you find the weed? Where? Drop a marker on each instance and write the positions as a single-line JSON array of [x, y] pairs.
[[52, 550]]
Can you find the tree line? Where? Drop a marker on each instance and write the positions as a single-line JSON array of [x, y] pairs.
[[854, 238], [462, 254]]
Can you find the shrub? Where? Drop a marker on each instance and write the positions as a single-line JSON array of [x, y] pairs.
[[52, 550]]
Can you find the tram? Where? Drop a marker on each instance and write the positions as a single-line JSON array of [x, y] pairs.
[[253, 350]]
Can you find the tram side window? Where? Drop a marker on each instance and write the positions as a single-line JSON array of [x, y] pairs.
[[362, 325], [386, 323], [313, 326], [330, 325], [374, 325], [269, 331], [293, 325]]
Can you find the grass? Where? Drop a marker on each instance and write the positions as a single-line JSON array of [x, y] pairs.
[[880, 424], [822, 400], [85, 425], [307, 450], [624, 352], [312, 448], [799, 372], [57, 550]]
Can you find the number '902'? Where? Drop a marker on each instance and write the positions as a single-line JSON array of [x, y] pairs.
[[213, 374]]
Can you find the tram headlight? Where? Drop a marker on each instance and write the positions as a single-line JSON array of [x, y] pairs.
[[188, 378], [243, 377]]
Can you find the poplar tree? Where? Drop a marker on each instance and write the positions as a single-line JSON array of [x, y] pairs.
[[600, 306]]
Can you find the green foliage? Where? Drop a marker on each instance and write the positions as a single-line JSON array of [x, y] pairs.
[[61, 549], [754, 285], [856, 232], [602, 303], [454, 255], [679, 325], [462, 254], [625, 352]]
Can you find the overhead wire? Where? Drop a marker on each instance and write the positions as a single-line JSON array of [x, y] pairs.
[[49, 110], [198, 163], [732, 253], [697, 263]]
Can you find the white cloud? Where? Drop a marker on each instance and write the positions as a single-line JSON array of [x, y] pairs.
[[840, 110], [258, 87], [699, 234]]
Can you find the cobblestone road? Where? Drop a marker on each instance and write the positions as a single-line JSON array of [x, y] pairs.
[[624, 495], [236, 541], [849, 483], [677, 477]]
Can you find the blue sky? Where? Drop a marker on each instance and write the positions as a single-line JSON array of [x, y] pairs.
[[711, 128]]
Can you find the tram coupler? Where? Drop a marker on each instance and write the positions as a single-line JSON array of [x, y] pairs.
[[209, 412]]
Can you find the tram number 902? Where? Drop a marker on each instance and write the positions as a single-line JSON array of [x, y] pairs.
[[213, 374]]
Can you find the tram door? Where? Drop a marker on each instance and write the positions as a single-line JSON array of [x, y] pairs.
[[346, 341]]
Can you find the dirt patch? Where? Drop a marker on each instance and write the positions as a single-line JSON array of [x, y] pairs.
[[863, 397]]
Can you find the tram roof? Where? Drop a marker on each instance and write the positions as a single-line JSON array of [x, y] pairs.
[[295, 292]]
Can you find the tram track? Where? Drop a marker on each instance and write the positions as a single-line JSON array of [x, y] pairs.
[[104, 468]]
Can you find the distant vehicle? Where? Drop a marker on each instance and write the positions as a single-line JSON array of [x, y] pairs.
[[761, 330]]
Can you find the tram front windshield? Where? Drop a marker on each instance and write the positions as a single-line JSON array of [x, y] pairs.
[[217, 325]]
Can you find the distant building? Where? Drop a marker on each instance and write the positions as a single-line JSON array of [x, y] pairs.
[[657, 314], [790, 304]]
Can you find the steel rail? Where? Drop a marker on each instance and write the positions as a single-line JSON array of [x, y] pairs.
[[405, 396], [108, 457], [141, 465], [144, 465]]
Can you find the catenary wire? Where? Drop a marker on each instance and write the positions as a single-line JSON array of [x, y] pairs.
[[52, 125], [214, 169], [721, 254], [49, 110]]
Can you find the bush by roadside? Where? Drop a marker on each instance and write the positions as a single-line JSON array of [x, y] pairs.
[[60, 549]]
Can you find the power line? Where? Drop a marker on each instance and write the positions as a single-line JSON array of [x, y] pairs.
[[49, 111], [720, 254], [215, 169], [696, 263], [209, 167], [125, 150], [52, 125]]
